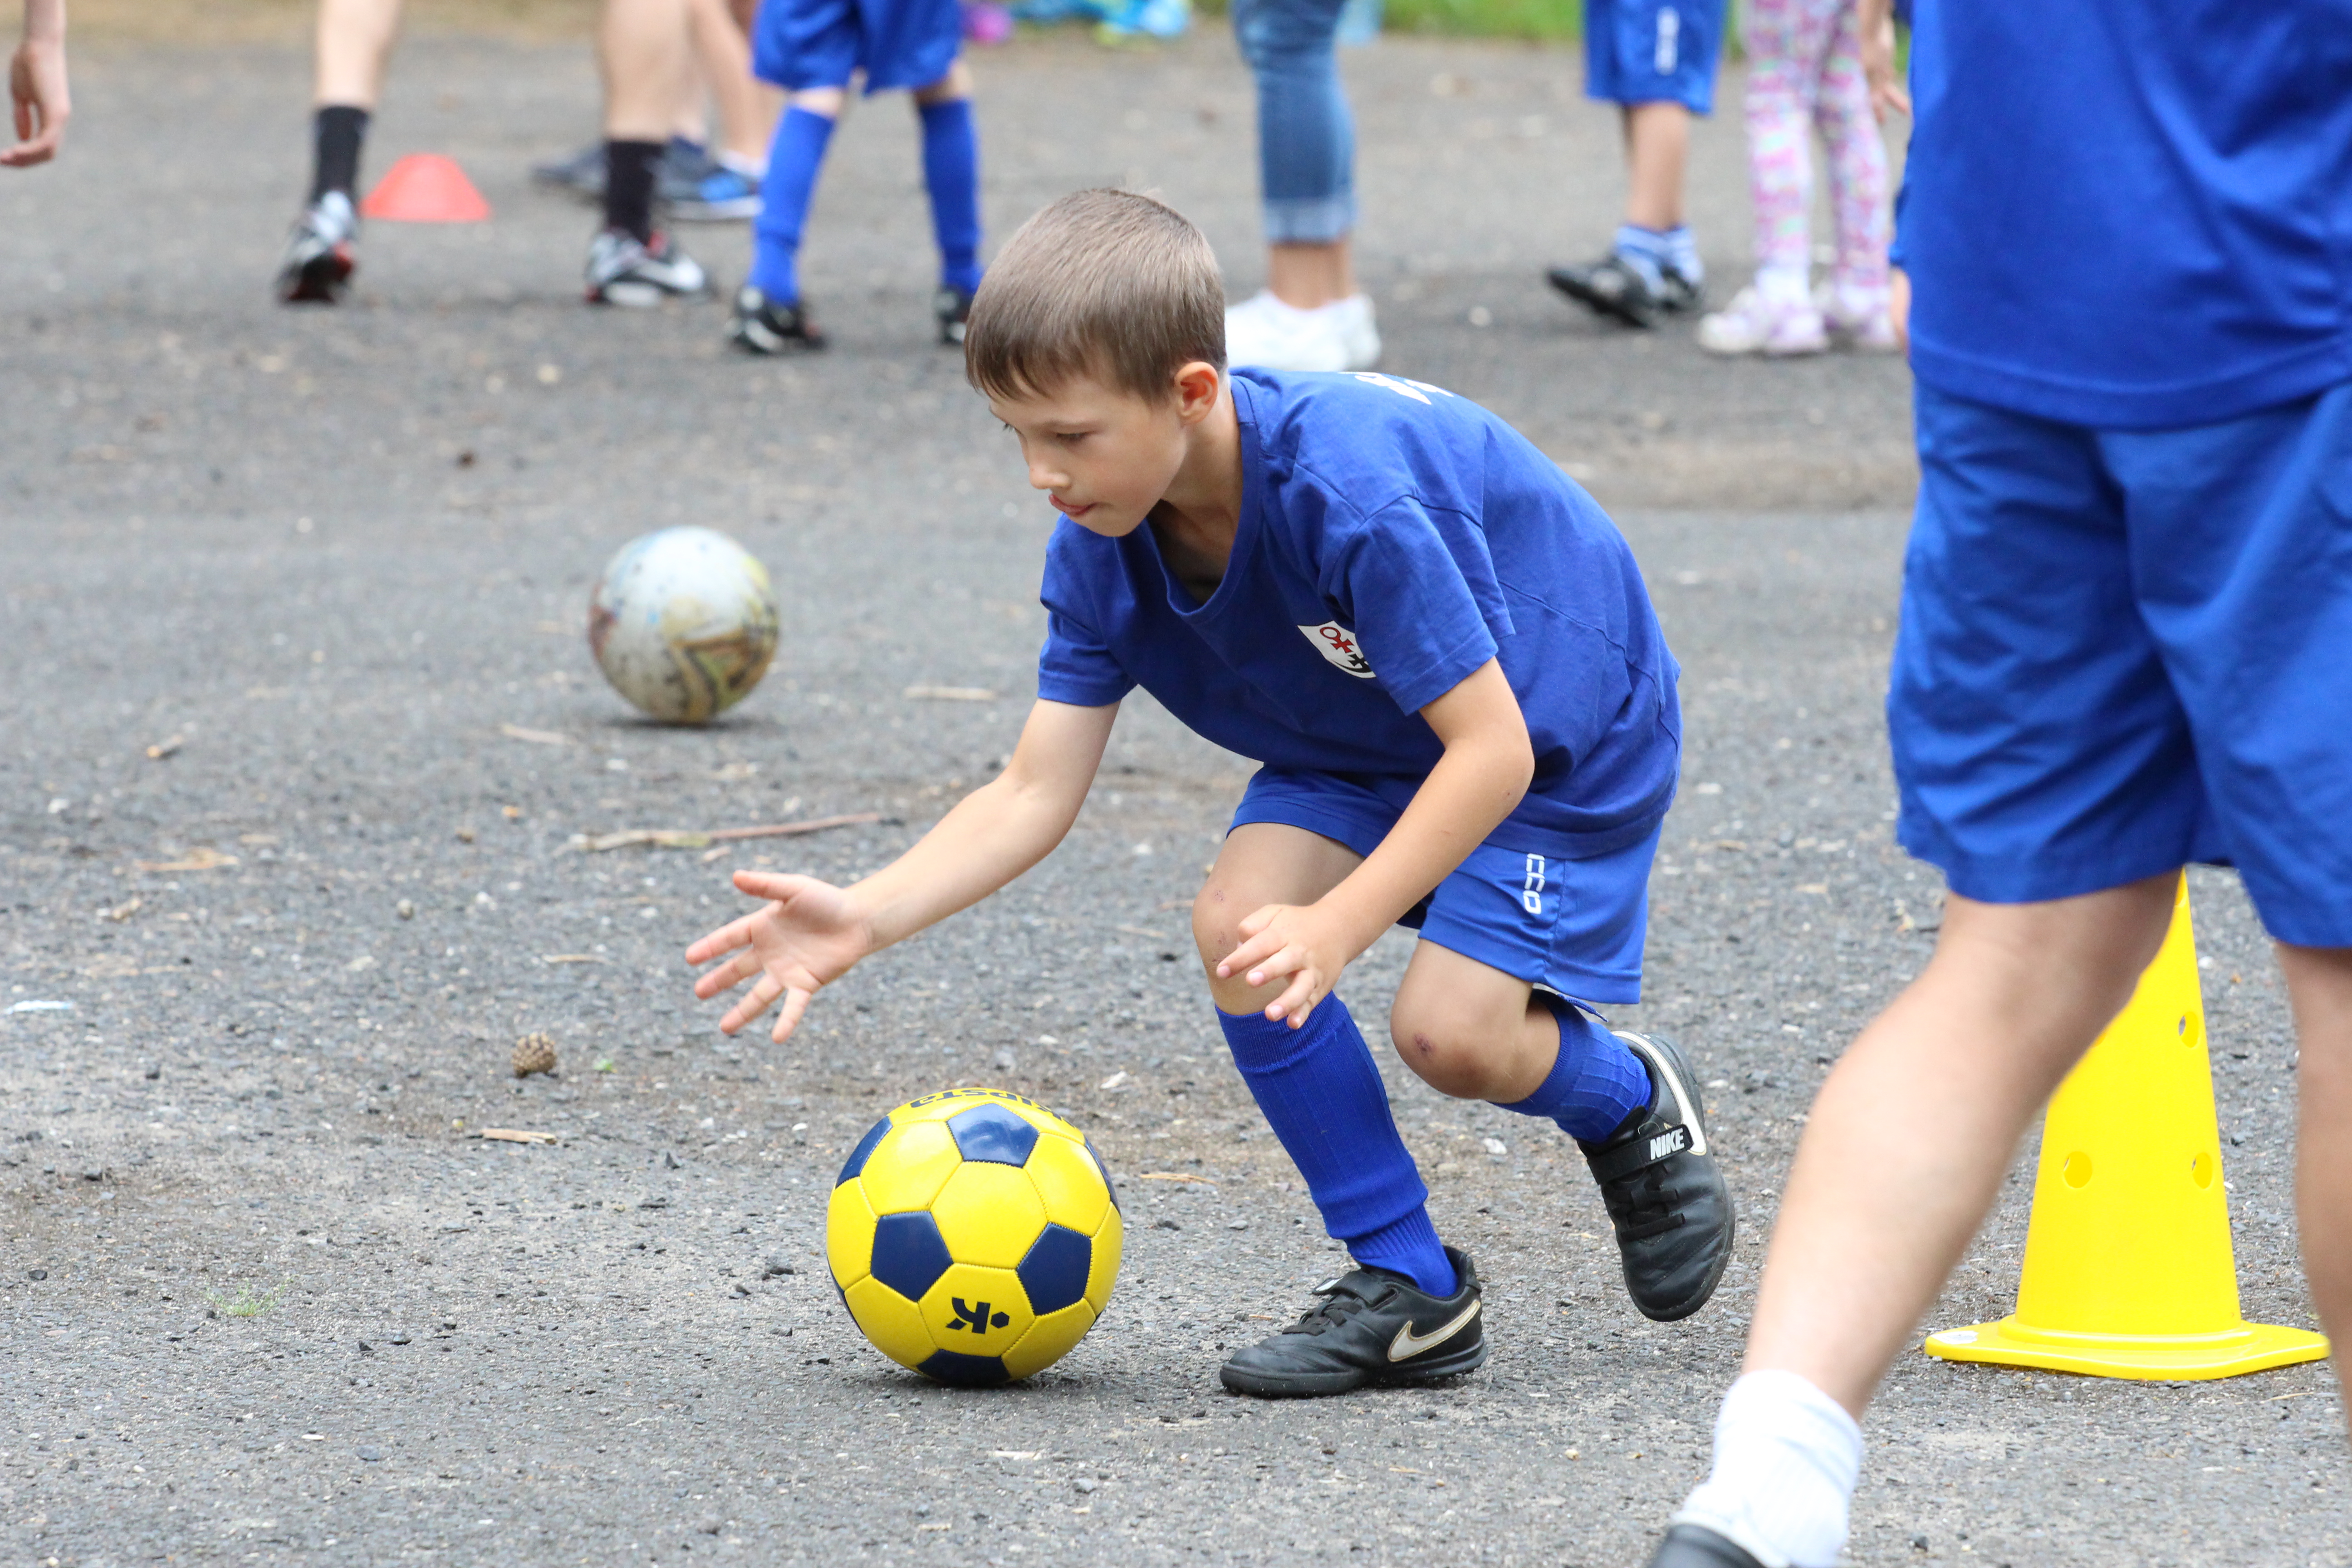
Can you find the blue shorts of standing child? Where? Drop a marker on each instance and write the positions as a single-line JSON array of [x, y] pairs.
[[812, 49], [1442, 655]]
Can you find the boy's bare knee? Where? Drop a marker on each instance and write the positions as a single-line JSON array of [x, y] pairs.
[[1441, 1053]]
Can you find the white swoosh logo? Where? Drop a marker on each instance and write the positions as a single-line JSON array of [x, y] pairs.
[[1408, 1344]]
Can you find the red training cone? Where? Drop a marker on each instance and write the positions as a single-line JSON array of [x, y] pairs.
[[425, 187]]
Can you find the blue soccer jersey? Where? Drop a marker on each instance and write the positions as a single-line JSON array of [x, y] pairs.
[[2130, 213], [1392, 539]]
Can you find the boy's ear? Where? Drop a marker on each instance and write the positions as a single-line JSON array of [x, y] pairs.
[[1199, 384]]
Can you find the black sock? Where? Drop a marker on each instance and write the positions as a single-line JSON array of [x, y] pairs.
[[338, 130], [630, 168]]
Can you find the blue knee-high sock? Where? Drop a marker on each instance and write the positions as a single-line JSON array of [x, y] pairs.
[[1323, 1097], [951, 172], [1594, 1086], [795, 156]]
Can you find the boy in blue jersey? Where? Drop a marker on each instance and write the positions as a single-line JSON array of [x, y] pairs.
[[810, 49], [1442, 653], [2126, 645]]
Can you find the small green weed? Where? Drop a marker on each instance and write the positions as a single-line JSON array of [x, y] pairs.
[[248, 1301]]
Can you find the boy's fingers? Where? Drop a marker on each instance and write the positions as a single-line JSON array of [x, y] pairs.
[[1295, 1002], [752, 1005], [796, 1003], [1274, 966], [726, 938]]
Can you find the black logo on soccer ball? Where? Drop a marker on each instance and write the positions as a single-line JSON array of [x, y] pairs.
[[976, 1317]]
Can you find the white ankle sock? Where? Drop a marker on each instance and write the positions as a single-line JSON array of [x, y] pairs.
[[1786, 1459]]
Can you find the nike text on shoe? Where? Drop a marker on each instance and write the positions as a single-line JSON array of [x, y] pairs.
[[621, 271], [764, 326], [1695, 1546], [1370, 1326], [319, 260], [951, 306], [1665, 1195]]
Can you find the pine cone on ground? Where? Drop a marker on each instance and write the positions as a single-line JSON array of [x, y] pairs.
[[534, 1053]]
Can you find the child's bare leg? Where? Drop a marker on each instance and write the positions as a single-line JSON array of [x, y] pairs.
[[1903, 1149], [1658, 151], [642, 48], [1261, 862], [354, 40], [747, 109], [1472, 1031], [1907, 1141], [2320, 982]]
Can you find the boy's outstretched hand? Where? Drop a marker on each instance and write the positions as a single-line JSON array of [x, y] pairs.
[[808, 935]]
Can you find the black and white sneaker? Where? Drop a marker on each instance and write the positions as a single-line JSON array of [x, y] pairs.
[[1695, 1546], [1370, 1326], [952, 307], [320, 259], [1612, 287], [623, 271], [1666, 1199], [765, 326]]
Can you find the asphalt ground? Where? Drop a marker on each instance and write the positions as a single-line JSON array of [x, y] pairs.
[[266, 1298]]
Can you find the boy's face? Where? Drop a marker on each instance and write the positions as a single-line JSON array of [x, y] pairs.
[[1104, 456]]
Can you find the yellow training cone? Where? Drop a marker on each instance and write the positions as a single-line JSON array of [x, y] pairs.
[[2128, 1271]]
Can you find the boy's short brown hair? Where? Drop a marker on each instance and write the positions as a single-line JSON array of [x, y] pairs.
[[1103, 283]]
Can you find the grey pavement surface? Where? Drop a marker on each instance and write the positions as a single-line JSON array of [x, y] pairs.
[[263, 1296]]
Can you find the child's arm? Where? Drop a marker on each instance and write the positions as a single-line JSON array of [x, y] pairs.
[[813, 932], [1476, 784], [36, 86]]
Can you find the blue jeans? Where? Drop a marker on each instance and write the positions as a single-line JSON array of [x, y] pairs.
[[1306, 137]]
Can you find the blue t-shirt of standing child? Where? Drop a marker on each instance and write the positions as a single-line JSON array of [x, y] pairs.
[[2133, 214], [1392, 539]]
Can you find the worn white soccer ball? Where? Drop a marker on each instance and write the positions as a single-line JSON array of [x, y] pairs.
[[683, 624]]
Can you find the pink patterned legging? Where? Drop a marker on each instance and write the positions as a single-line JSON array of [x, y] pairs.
[[1805, 70]]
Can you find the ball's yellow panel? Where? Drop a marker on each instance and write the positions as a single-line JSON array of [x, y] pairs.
[[976, 1311], [908, 1167], [1049, 1340], [1067, 1179], [895, 1324], [848, 1235], [990, 1214], [948, 1101], [1105, 1269]]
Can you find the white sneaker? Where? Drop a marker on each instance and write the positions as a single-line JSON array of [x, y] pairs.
[[1753, 324], [1263, 331], [1858, 318]]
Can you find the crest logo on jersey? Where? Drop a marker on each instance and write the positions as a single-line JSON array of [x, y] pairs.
[[1403, 386], [1340, 647]]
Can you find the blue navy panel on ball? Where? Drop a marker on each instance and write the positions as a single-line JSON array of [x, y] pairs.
[[862, 1152], [964, 1370], [1054, 1270], [910, 1253], [992, 1133]]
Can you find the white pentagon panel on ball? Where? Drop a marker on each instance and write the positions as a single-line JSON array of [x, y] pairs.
[[683, 624]]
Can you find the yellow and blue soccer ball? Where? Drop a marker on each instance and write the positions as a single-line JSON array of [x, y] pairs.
[[974, 1235]]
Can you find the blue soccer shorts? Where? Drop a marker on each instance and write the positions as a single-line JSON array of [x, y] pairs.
[[2125, 650], [1574, 926], [801, 44], [1653, 51]]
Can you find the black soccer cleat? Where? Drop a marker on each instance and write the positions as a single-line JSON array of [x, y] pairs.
[[1695, 1546], [765, 326], [1666, 1198], [316, 265], [1612, 288], [952, 308], [1370, 1326]]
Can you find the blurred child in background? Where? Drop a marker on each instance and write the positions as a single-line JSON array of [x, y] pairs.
[[1805, 70]]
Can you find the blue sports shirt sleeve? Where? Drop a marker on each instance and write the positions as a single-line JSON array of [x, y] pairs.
[[1075, 665], [1427, 616]]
